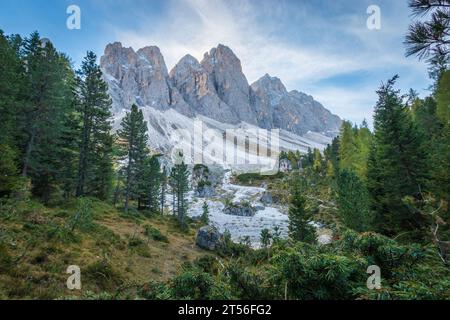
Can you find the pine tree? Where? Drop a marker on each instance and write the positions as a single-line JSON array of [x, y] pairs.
[[396, 167], [150, 183], [347, 146], [308, 159], [265, 238], [12, 81], [439, 158], [8, 170], [317, 164], [430, 39], [133, 134], [11, 86], [353, 202], [443, 98], [95, 160], [163, 189], [179, 178], [205, 213], [300, 228], [332, 155], [49, 101]]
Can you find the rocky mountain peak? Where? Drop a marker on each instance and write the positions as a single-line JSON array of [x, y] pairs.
[[269, 84], [225, 71], [186, 65], [136, 77], [216, 88], [152, 56]]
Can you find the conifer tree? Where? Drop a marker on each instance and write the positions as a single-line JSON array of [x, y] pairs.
[[133, 135], [430, 38], [205, 213], [396, 167], [317, 164], [95, 147], [300, 228], [443, 98], [150, 183], [49, 101], [347, 146], [180, 186], [163, 188], [11, 86], [265, 238], [353, 202]]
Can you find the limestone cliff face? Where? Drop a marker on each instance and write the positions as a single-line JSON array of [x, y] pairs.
[[140, 78], [215, 87], [293, 111], [225, 71]]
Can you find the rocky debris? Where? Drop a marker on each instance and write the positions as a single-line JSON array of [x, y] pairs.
[[240, 209], [209, 238]]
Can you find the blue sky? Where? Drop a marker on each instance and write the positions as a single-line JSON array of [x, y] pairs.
[[320, 47]]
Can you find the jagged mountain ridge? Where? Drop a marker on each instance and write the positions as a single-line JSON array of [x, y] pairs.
[[215, 88]]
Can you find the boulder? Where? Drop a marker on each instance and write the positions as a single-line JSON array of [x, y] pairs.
[[209, 238], [267, 198], [242, 210], [206, 191]]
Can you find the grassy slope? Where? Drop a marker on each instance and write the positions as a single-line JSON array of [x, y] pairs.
[[36, 247]]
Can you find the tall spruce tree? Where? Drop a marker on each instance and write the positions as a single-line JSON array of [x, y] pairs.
[[353, 202], [95, 141], [300, 228], [396, 167], [49, 102], [179, 177], [163, 188], [11, 90], [134, 137], [440, 148], [150, 183]]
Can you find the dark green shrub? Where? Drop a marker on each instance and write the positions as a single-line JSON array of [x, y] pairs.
[[155, 234]]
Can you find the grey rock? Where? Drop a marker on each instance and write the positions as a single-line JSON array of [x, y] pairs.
[[231, 85], [197, 88], [139, 78], [293, 111], [205, 192], [267, 198], [209, 238], [240, 209]]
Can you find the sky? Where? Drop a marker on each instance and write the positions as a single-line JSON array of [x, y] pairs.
[[321, 47]]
